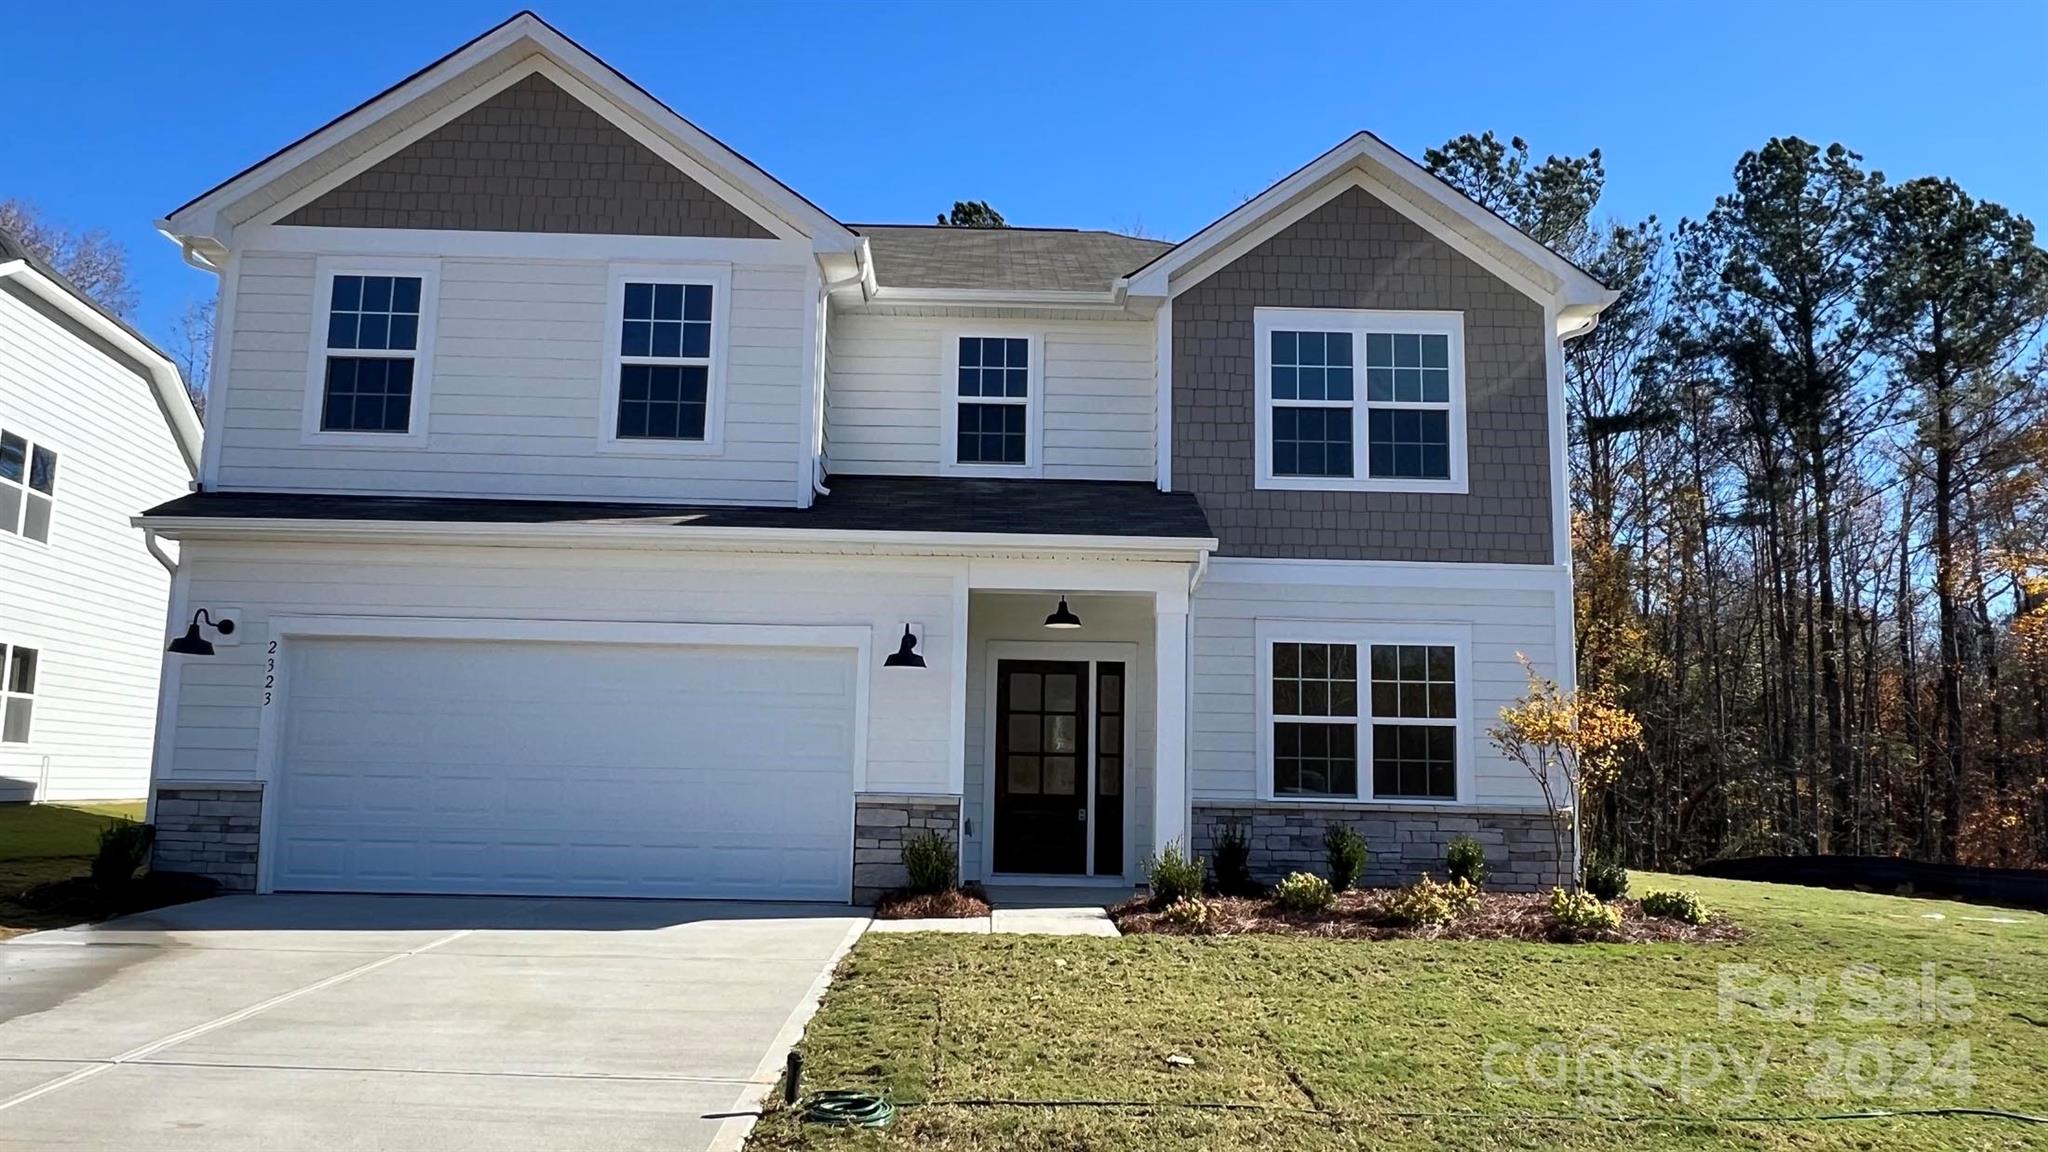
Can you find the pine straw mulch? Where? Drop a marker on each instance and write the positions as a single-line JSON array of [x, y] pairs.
[[954, 904], [1361, 914]]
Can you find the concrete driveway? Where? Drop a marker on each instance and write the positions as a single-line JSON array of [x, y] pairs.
[[390, 1022]]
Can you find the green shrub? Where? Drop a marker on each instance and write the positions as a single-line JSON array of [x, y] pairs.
[[1191, 915], [933, 864], [124, 847], [1173, 875], [1606, 879], [1667, 905], [1582, 912], [1428, 902], [1344, 850], [1233, 861], [1305, 892], [1465, 860]]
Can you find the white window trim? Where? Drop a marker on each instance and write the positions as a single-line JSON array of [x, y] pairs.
[[1363, 634], [15, 530], [950, 401], [719, 278], [8, 693], [1359, 323], [325, 270]]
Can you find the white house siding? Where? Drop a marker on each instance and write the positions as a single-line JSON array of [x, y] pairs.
[[1021, 618], [1510, 613], [218, 699], [91, 600], [885, 396], [514, 408]]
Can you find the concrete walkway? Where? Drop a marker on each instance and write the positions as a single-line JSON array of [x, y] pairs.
[[361, 1022], [1028, 910]]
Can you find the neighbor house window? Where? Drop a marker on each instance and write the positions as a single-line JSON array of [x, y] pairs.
[[667, 347], [28, 486], [1360, 400], [373, 333], [1336, 706], [992, 401], [17, 692]]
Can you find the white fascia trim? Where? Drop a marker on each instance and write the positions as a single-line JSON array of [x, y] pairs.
[[1110, 302], [164, 376]]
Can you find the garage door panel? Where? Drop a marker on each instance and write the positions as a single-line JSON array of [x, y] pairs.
[[541, 768]]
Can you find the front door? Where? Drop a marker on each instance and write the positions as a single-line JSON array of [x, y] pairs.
[[1042, 779]]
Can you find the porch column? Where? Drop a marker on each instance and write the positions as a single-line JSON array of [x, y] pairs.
[[1170, 754]]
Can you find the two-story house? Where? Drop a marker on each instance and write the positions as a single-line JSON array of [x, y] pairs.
[[94, 424], [600, 516]]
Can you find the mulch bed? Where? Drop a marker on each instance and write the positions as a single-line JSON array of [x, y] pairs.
[[958, 904], [1362, 915]]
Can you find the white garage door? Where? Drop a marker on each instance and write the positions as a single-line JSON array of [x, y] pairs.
[[525, 768]]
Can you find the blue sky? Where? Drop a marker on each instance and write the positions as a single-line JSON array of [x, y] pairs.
[[1093, 114]]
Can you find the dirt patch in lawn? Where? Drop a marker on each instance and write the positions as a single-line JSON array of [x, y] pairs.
[[958, 904], [1364, 914]]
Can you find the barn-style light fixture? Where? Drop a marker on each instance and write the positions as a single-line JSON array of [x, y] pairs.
[[905, 655], [1063, 617], [193, 644]]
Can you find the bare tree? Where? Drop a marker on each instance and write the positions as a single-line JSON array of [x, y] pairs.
[[192, 348], [92, 260]]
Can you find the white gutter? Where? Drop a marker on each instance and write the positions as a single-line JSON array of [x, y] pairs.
[[157, 550]]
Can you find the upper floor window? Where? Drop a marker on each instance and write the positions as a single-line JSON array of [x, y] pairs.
[[1360, 400], [1351, 718], [17, 692], [28, 486], [662, 382], [991, 412], [372, 352]]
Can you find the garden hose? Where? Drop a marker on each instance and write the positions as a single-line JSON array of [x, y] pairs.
[[843, 1109]]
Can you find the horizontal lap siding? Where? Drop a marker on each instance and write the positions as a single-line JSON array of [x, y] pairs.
[[514, 407], [219, 699], [92, 601], [884, 395], [1223, 737]]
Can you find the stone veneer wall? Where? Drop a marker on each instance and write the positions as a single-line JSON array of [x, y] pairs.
[[210, 829], [1403, 841], [881, 823]]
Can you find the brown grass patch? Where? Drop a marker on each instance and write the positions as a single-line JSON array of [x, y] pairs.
[[956, 904], [1362, 914]]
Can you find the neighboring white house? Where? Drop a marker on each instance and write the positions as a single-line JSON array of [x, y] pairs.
[[600, 516], [94, 424]]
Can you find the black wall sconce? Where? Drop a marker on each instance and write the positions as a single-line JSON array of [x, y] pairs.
[[1063, 618], [905, 655], [192, 643]]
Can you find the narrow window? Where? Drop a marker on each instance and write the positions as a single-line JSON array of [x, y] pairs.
[[28, 487], [994, 414], [1408, 405], [1315, 720], [373, 336], [665, 358], [1311, 394], [1414, 721], [17, 693]]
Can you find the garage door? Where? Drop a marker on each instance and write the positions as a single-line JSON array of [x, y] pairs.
[[542, 768]]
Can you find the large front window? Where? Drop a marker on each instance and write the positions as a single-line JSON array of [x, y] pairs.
[[665, 361], [993, 401], [1403, 724], [373, 334]]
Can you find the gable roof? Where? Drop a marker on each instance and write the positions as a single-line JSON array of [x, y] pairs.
[[19, 265], [1364, 160], [1014, 259], [207, 221]]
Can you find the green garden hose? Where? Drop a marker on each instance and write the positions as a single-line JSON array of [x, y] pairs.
[[843, 1109]]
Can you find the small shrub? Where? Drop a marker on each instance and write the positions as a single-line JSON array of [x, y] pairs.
[[933, 864], [1344, 850], [124, 847], [1684, 906], [1173, 875], [1465, 860], [1233, 861], [1582, 912], [1192, 915], [1305, 892], [1428, 902], [1606, 879]]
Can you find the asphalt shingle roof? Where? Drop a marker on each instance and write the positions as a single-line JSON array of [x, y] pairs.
[[1019, 259]]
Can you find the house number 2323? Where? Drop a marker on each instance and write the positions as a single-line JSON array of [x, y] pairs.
[[269, 672]]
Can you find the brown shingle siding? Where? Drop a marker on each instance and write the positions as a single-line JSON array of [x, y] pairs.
[[530, 159], [1355, 252]]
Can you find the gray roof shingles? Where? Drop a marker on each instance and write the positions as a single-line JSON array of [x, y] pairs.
[[1015, 259]]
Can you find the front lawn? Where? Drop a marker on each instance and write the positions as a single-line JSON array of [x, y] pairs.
[[1452, 1043], [44, 842]]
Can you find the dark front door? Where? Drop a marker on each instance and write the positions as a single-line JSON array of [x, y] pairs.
[[1041, 767]]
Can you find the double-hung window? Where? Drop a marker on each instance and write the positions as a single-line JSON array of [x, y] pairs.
[[17, 692], [990, 412], [667, 349], [373, 335], [28, 486], [1353, 718], [1354, 400]]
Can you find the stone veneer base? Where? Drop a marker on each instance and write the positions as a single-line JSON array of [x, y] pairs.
[[211, 830], [1402, 841], [881, 823]]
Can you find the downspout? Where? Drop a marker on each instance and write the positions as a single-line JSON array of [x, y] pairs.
[[191, 256], [157, 550], [824, 303]]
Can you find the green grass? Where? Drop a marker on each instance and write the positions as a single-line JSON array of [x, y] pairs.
[[42, 842], [1341, 1035]]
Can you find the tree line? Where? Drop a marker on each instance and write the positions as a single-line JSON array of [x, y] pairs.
[[1809, 454]]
